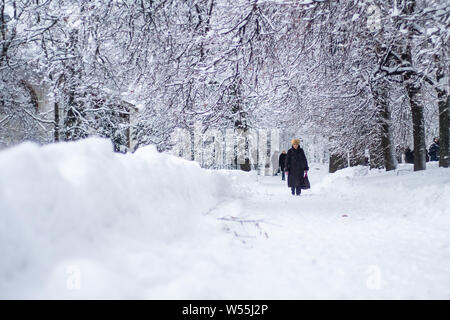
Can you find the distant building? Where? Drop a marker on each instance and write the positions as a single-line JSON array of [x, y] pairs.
[[36, 117]]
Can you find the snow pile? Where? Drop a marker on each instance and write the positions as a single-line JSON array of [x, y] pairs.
[[79, 199], [401, 191], [346, 174], [243, 183]]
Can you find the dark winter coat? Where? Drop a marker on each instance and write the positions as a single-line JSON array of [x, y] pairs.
[[282, 161], [296, 164], [409, 156], [434, 151]]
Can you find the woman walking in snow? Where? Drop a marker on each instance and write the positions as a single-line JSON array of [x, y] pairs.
[[296, 166]]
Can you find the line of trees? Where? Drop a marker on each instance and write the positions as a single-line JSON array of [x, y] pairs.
[[369, 75]]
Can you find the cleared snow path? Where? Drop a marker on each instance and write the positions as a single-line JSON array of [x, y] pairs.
[[331, 243]]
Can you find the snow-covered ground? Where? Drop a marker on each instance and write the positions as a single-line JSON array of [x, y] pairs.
[[79, 221]]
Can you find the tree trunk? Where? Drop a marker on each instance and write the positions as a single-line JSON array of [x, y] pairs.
[[376, 155], [444, 132], [413, 90], [337, 162], [387, 143], [56, 133], [444, 125]]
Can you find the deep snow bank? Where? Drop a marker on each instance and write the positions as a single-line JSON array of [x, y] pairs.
[[76, 199]]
